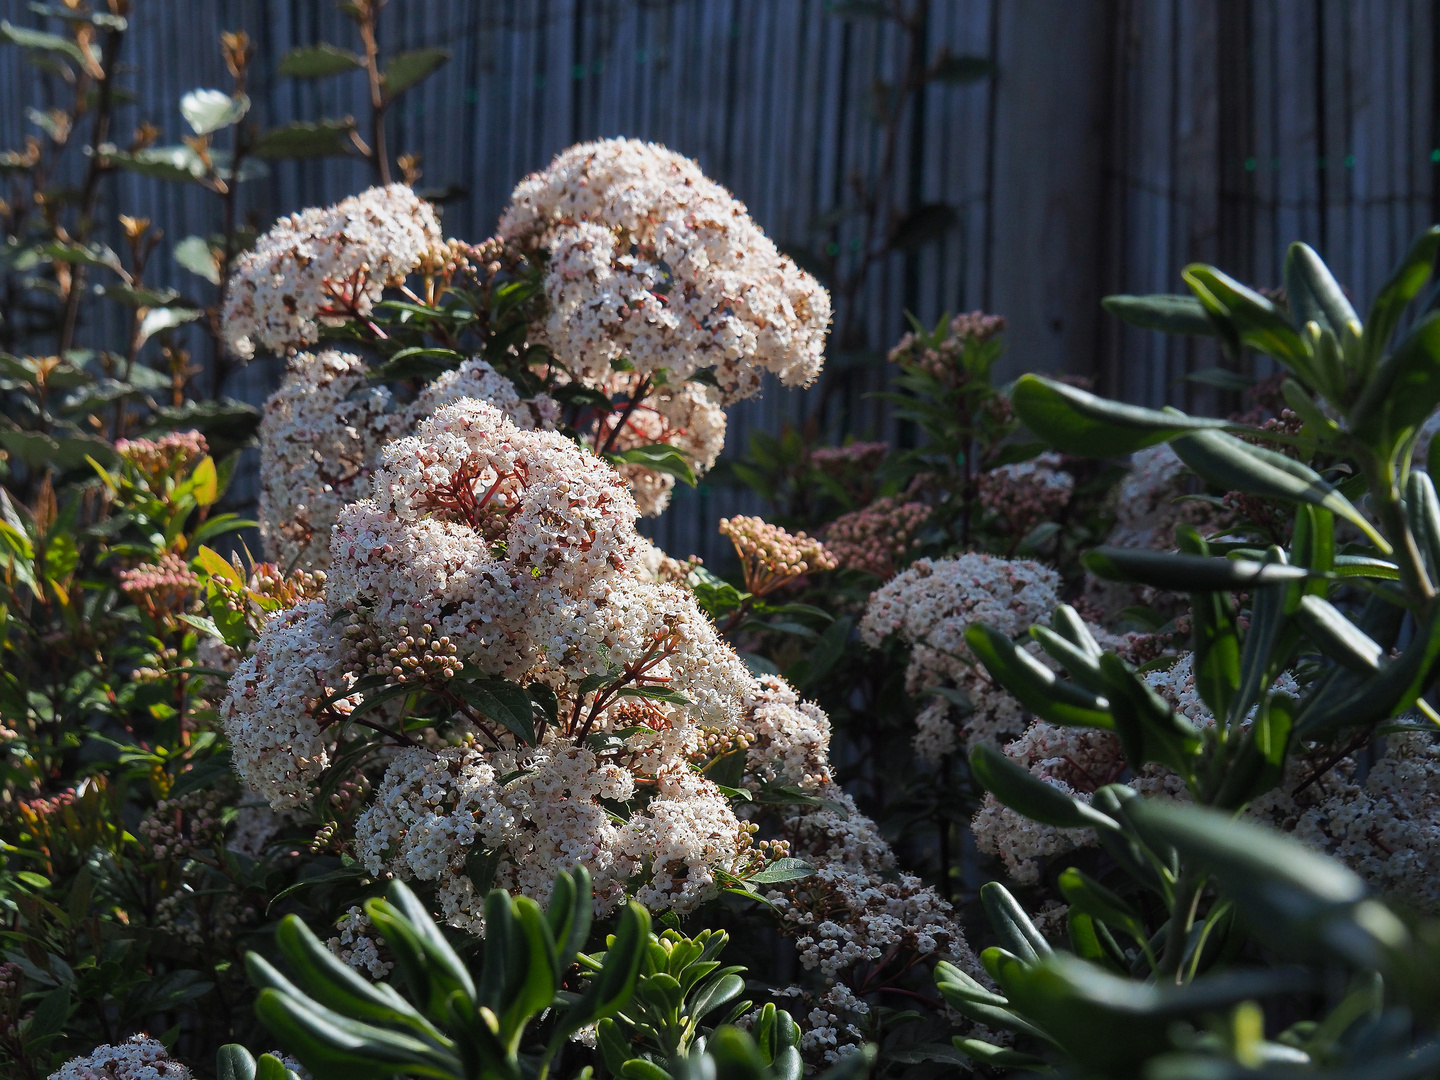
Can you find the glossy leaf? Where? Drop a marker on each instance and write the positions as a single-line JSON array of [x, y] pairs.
[[1404, 390], [1186, 573], [1260, 324], [1170, 313], [1027, 794], [1033, 684], [1230, 463], [1083, 424]]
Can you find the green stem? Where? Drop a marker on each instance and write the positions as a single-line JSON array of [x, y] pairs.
[[1182, 915], [1385, 495]]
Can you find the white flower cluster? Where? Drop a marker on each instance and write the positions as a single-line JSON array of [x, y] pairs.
[[271, 709], [321, 435], [509, 553], [325, 266], [688, 417], [354, 942], [930, 606], [137, 1058], [651, 262]]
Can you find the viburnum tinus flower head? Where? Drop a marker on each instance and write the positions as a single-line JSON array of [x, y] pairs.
[[324, 267], [322, 431], [771, 556], [137, 1058], [650, 262]]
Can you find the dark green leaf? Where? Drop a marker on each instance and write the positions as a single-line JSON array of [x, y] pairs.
[[318, 62], [1081, 423], [1185, 573], [1026, 794], [504, 702], [1390, 302], [406, 69], [1169, 313], [1033, 684], [302, 139]]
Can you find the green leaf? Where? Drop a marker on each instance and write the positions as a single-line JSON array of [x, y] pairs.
[[1169, 313], [1404, 390], [1313, 293], [661, 457], [51, 1013], [318, 62], [1026, 794], [234, 1062], [1087, 896], [1337, 637], [1294, 897], [998, 1057], [270, 1067], [727, 770], [303, 139], [39, 39], [1033, 684], [406, 69], [504, 702], [195, 254], [782, 870], [1260, 324], [1405, 283], [1083, 424], [208, 111], [419, 362], [1185, 573], [180, 163], [1230, 463]]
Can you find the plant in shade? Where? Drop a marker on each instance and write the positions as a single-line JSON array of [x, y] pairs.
[[1301, 655]]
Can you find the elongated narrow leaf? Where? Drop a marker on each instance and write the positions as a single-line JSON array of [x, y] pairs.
[[1314, 294], [1026, 794], [1405, 283], [1337, 637], [1267, 621], [318, 62], [782, 870], [1185, 573], [1230, 463], [1261, 325], [1389, 692], [1170, 313], [1088, 896], [1033, 684], [1012, 926], [1295, 898], [1081, 423], [999, 1057], [1404, 390], [1422, 511]]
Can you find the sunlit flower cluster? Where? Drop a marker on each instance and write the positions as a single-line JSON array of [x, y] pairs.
[[137, 1058], [324, 267], [652, 263], [930, 606], [880, 537], [167, 455], [322, 431], [770, 556], [508, 553]]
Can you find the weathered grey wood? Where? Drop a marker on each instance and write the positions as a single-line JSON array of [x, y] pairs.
[[1122, 139]]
